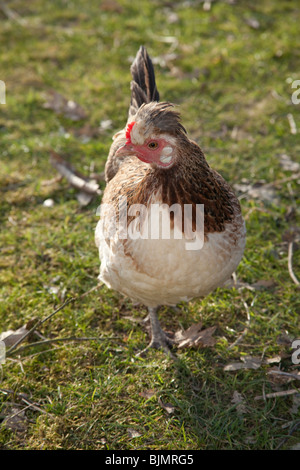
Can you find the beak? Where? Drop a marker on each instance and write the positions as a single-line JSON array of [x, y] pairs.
[[125, 150]]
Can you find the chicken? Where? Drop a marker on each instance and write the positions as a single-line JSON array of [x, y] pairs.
[[170, 226]]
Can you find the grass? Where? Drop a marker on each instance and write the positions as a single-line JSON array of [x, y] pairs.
[[228, 68]]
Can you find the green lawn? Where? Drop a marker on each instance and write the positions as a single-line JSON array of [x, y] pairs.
[[230, 67]]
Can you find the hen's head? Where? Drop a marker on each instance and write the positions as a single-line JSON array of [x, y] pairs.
[[153, 135]]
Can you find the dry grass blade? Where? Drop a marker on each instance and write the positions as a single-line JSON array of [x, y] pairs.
[[290, 264], [11, 14], [40, 322], [37, 324]]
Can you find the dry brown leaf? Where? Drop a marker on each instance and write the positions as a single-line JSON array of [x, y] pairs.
[[11, 337], [132, 433], [250, 362], [147, 393], [194, 336], [166, 406]]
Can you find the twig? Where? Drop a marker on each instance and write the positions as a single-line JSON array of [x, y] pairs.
[[11, 14], [74, 178], [283, 393], [59, 340], [292, 123], [239, 339], [34, 406], [283, 180], [292, 430], [24, 399], [290, 264], [40, 322], [286, 374]]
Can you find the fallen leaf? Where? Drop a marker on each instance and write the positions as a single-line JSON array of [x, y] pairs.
[[250, 362], [147, 393], [11, 337], [132, 433], [166, 406], [61, 105], [239, 400], [194, 336]]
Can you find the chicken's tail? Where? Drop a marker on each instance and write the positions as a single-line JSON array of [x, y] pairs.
[[143, 86]]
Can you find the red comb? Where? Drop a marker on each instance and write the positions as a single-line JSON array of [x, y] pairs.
[[128, 131]]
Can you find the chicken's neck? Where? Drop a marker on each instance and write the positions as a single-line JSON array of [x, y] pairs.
[[189, 181]]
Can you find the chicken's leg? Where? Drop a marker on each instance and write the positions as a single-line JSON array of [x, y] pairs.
[[158, 337]]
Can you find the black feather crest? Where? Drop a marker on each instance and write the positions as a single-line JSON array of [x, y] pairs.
[[143, 86]]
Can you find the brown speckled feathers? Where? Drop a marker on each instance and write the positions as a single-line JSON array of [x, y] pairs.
[[151, 162], [190, 182]]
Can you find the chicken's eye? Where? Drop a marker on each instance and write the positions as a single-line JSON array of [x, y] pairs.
[[153, 145]]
